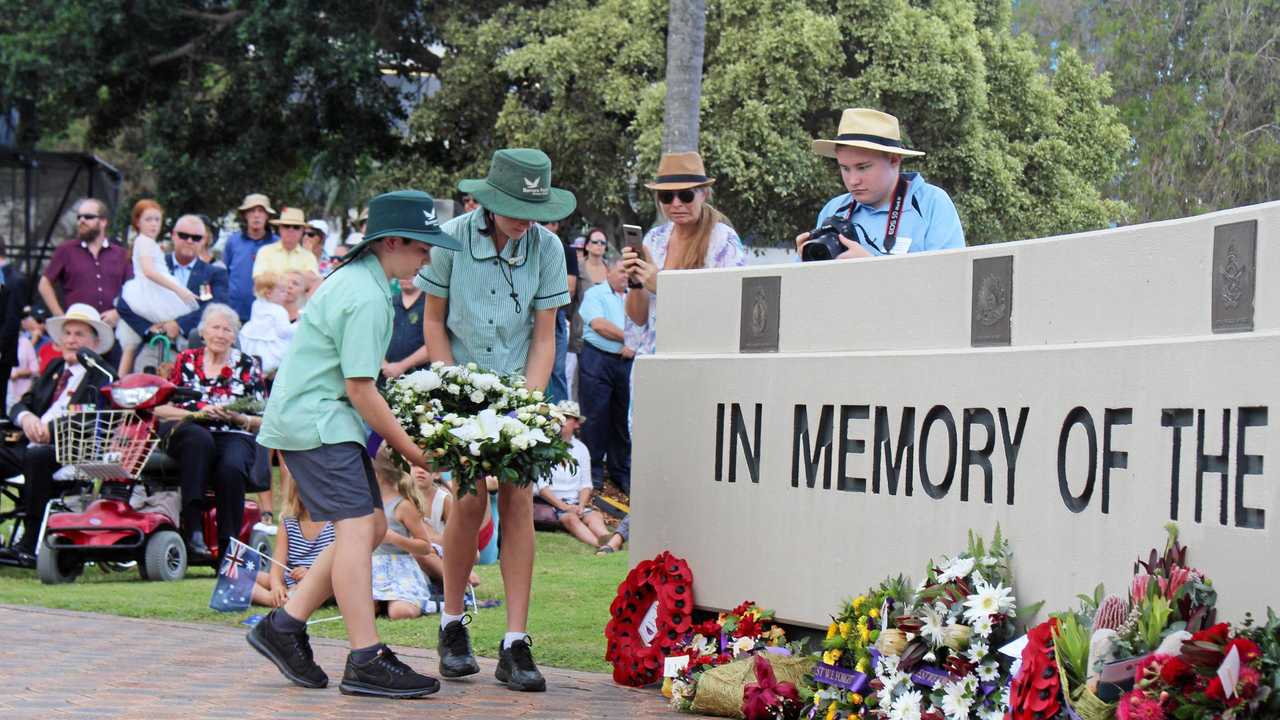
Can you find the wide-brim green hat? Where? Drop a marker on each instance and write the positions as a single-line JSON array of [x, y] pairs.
[[407, 214], [519, 186]]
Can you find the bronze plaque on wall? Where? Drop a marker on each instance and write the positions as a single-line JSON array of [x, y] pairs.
[[991, 310], [761, 297], [1235, 255]]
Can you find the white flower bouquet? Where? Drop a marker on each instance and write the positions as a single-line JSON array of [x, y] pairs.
[[477, 424]]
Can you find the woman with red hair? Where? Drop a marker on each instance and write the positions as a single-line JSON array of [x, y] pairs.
[[153, 292]]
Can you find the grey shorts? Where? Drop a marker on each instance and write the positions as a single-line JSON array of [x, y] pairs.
[[335, 482]]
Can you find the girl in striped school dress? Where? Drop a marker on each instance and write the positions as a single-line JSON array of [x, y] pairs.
[[297, 547]]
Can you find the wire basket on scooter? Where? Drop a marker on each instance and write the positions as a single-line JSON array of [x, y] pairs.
[[104, 444]]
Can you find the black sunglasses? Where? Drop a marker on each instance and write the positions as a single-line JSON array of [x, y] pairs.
[[666, 196], [597, 242], [313, 233], [87, 216], [190, 238]]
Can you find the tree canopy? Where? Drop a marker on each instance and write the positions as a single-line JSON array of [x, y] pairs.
[[1197, 82], [1024, 151], [216, 99]]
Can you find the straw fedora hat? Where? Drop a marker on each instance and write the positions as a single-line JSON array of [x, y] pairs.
[[292, 217], [519, 186], [82, 313], [866, 128], [253, 200], [680, 171]]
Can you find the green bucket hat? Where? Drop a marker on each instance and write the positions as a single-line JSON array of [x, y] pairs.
[[519, 186], [407, 214]]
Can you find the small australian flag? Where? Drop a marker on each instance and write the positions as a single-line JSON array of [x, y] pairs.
[[236, 578]]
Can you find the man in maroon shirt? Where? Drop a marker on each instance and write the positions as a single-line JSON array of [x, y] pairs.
[[88, 268]]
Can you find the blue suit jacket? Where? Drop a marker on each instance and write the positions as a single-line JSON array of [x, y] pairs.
[[202, 273]]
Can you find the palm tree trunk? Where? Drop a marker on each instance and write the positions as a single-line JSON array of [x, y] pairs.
[[686, 26]]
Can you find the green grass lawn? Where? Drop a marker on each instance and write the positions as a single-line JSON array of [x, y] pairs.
[[572, 590]]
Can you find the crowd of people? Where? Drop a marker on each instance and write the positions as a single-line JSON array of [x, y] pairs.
[[272, 321]]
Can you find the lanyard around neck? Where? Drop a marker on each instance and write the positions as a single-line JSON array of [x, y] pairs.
[[896, 201]]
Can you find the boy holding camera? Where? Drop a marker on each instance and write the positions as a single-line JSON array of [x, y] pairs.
[[886, 211]]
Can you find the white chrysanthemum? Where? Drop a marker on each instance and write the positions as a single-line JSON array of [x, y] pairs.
[[988, 672], [906, 706], [934, 621], [888, 665], [956, 701], [957, 569], [982, 626], [977, 651], [989, 600], [992, 714]]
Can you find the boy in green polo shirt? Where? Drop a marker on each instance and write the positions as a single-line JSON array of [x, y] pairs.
[[493, 302], [323, 397]]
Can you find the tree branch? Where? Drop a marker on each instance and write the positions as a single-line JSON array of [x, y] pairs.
[[219, 22]]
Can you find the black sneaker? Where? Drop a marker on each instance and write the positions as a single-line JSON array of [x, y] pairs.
[[517, 669], [291, 653], [385, 676], [456, 658]]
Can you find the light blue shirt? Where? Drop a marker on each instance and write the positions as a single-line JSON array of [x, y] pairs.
[[182, 273], [602, 302], [929, 220]]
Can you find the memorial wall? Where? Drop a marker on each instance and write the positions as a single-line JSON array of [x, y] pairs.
[[806, 430]]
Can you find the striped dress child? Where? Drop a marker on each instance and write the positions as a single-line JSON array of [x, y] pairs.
[[303, 551]]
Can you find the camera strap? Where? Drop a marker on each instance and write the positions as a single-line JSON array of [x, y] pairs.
[[896, 202]]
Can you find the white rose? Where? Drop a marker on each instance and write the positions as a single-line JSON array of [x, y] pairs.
[[453, 389], [539, 420], [536, 395], [477, 397], [472, 366]]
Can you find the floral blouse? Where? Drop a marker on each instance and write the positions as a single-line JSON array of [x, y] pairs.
[[724, 250], [241, 377]]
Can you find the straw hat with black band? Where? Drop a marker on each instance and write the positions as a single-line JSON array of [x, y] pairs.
[[519, 186], [88, 315], [408, 214], [680, 171], [868, 129], [291, 217]]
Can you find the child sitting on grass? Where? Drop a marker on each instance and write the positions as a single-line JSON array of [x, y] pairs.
[[437, 497], [297, 547], [397, 578]]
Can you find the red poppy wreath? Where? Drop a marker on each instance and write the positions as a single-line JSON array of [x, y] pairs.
[[648, 618]]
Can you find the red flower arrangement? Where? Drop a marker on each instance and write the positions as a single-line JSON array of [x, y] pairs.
[[663, 586], [1189, 684]]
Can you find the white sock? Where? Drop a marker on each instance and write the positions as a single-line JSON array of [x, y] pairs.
[[446, 618], [512, 637]]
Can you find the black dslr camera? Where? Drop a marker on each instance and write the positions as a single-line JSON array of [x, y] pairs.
[[824, 243]]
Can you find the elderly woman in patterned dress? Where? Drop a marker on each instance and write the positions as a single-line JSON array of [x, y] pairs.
[[212, 443]]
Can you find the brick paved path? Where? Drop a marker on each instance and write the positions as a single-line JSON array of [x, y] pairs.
[[60, 664]]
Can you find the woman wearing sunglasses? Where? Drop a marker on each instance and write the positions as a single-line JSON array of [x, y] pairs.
[[695, 236]]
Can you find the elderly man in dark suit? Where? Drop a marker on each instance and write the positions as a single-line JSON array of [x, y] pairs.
[[208, 282], [65, 382]]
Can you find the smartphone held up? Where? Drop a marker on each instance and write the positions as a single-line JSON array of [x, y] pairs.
[[633, 238]]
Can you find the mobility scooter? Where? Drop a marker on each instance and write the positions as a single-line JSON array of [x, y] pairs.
[[116, 449]]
